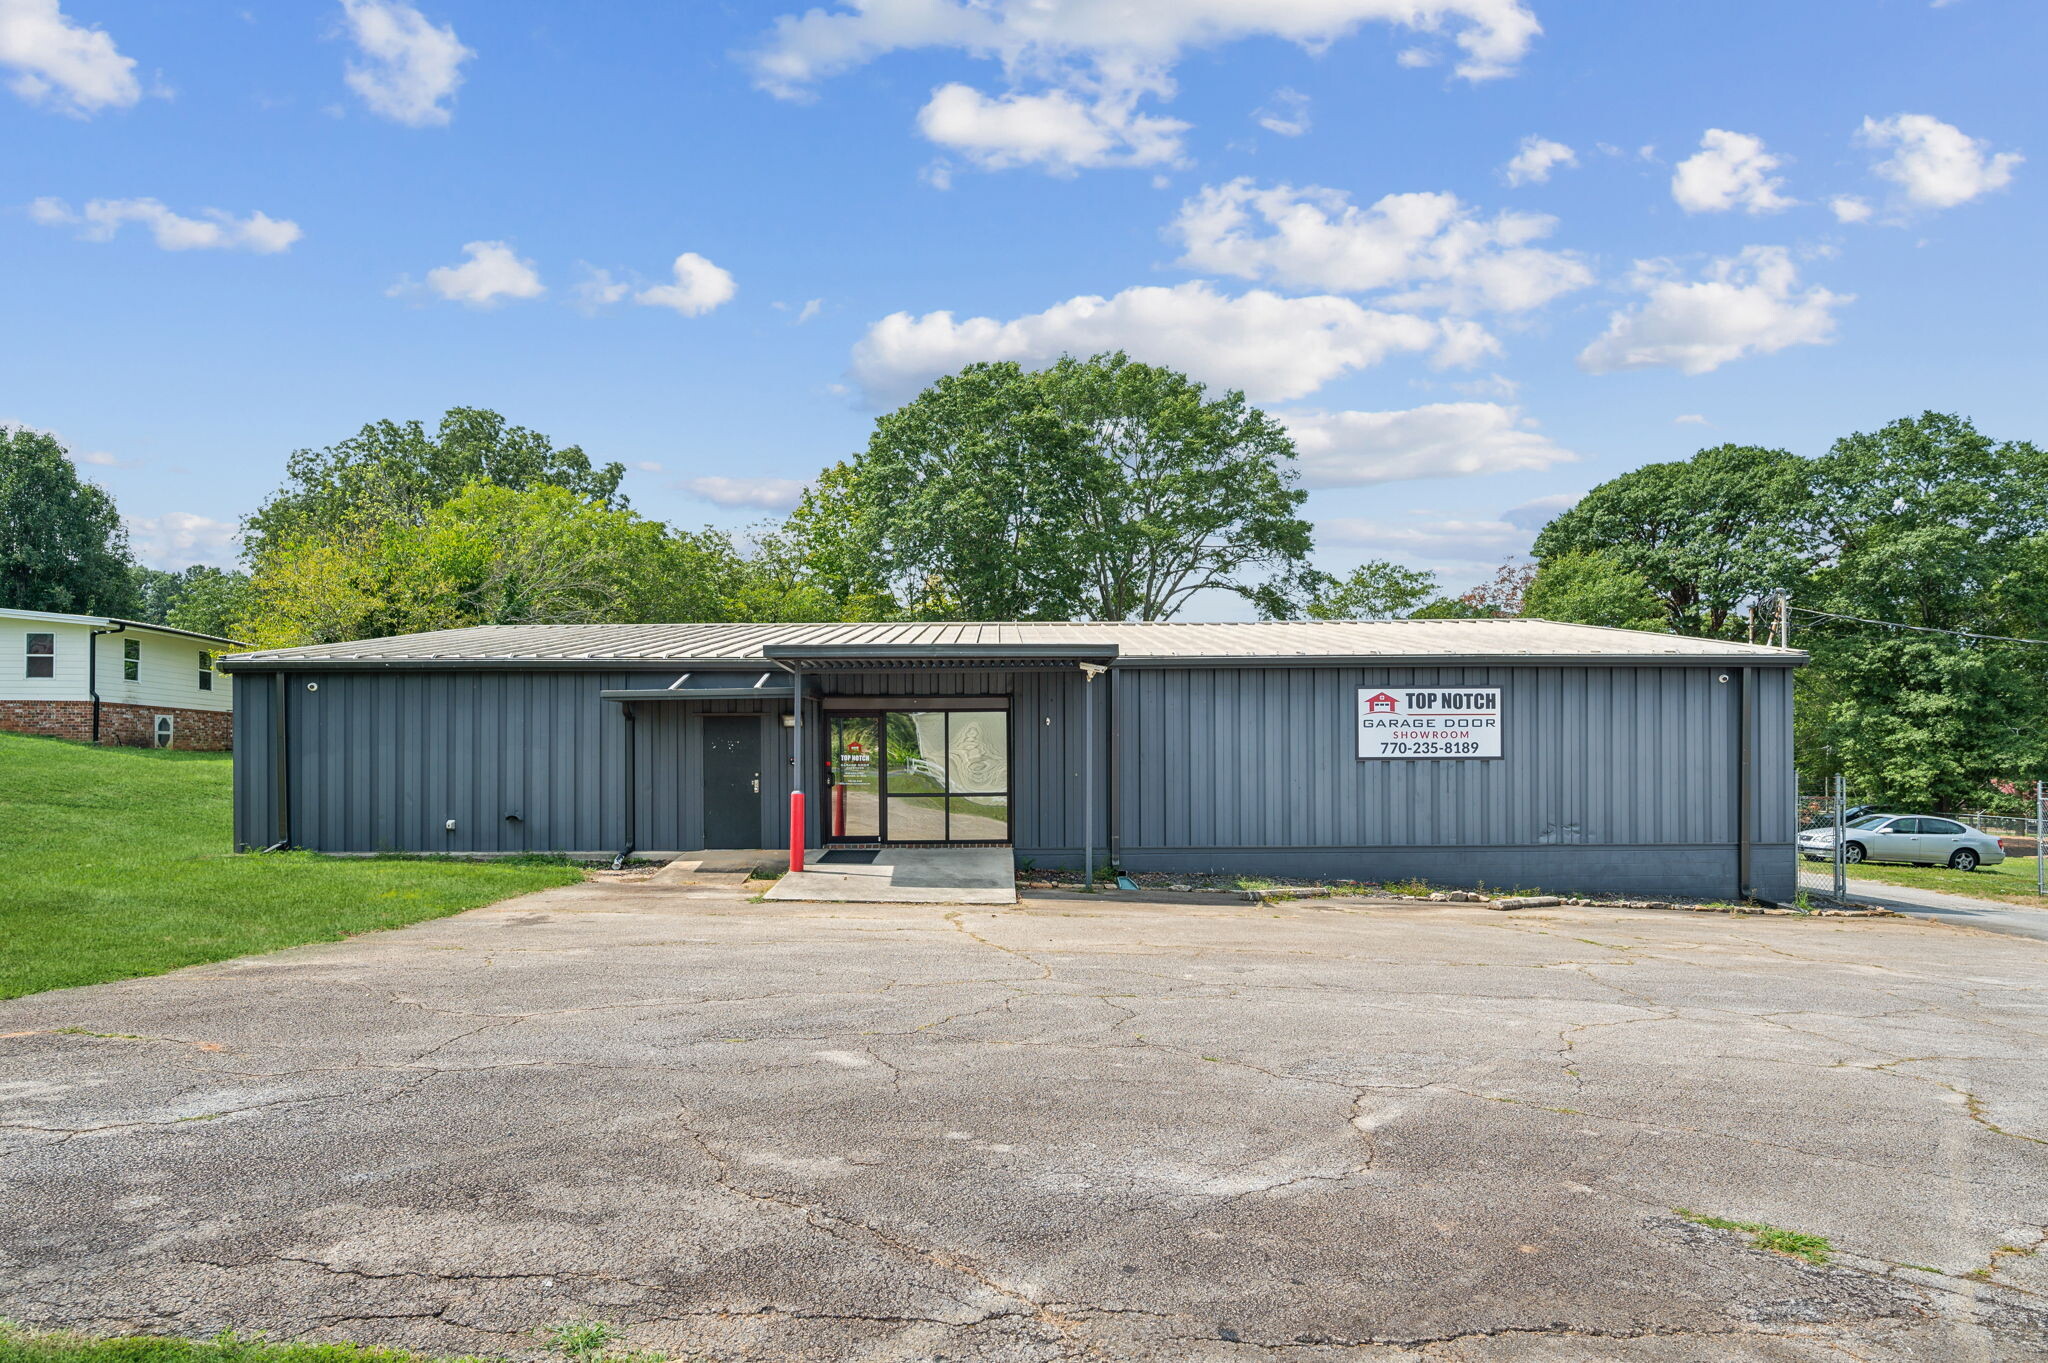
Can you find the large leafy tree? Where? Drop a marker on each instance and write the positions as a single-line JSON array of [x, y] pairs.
[[1100, 488], [1942, 532], [1377, 589], [1591, 587], [62, 544], [396, 471], [202, 597], [1708, 534], [494, 555]]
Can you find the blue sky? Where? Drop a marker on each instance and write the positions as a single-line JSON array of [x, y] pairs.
[[712, 240]]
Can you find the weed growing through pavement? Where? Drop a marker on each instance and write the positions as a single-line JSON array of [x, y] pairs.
[[1813, 1248]]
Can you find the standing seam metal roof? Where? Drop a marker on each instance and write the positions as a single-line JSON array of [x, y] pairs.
[[1149, 640]]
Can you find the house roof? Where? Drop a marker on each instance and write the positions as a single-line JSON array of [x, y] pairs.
[[108, 621], [1015, 643]]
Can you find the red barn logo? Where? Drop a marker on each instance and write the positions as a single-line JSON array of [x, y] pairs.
[[1382, 704]]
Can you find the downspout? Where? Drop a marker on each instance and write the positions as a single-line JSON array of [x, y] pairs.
[[92, 673], [632, 786], [1089, 672], [1745, 786], [281, 764], [1116, 832]]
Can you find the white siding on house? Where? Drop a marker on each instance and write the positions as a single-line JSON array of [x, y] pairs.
[[168, 676]]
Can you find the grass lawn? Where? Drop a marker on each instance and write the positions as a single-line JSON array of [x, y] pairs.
[[26, 1346], [2011, 880], [115, 862]]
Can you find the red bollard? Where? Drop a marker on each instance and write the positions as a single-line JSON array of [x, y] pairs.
[[796, 830]]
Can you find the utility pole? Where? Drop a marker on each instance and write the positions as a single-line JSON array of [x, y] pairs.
[[2040, 862], [1784, 619]]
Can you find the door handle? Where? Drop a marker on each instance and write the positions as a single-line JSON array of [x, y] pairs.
[[757, 785]]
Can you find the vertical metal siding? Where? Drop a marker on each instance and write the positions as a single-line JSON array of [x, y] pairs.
[[1251, 758], [1265, 758]]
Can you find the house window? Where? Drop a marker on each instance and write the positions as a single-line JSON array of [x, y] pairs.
[[166, 728], [131, 659], [42, 655], [205, 670]]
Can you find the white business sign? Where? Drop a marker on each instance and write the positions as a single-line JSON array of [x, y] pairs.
[[1406, 721]]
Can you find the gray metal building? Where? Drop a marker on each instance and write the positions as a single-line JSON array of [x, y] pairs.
[[1504, 752]]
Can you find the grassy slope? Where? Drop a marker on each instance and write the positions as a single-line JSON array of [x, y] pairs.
[[2012, 880], [115, 862]]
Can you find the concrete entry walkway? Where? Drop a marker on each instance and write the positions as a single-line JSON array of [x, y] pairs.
[[906, 875]]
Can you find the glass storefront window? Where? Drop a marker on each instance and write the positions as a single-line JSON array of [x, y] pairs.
[[921, 776]]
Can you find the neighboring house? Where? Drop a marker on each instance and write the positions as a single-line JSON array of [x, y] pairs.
[[103, 680]]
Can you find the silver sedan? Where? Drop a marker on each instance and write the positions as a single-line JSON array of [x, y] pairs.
[[1916, 839]]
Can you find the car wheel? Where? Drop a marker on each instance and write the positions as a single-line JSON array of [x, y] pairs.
[[1853, 853], [1964, 859]]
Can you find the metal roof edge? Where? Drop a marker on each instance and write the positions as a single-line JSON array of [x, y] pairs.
[[797, 652], [1776, 659], [258, 662]]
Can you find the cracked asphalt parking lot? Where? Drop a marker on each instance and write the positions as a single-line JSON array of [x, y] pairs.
[[1075, 1129]]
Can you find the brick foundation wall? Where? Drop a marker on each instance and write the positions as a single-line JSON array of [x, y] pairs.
[[124, 725]]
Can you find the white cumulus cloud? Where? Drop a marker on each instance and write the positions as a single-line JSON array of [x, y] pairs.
[[1059, 131], [769, 494], [1287, 115], [214, 230], [1271, 346], [1535, 159], [1077, 68], [1430, 537], [1442, 251], [700, 286], [411, 65], [61, 64], [178, 539], [1936, 164], [1444, 439], [1114, 36], [493, 271], [1747, 304], [1849, 208], [1730, 170]]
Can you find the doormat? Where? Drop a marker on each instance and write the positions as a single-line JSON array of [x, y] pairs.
[[848, 857]]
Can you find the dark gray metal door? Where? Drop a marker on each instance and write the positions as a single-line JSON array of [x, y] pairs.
[[732, 781]]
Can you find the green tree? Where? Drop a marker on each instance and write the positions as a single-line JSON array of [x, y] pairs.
[[1932, 525], [201, 598], [395, 471], [494, 555], [62, 544], [1592, 587], [1707, 533], [1102, 488], [212, 601], [1377, 589]]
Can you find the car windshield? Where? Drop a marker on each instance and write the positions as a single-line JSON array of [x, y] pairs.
[[1873, 821]]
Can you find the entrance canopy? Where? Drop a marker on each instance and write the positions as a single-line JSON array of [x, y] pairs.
[[713, 686]]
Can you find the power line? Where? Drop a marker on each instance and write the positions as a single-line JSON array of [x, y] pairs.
[[1923, 629]]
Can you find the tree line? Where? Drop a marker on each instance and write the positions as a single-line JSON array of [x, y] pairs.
[[1111, 489]]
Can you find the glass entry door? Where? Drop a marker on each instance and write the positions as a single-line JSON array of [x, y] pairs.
[[919, 776]]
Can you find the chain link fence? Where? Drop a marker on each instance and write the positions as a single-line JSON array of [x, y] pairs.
[[1823, 869]]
